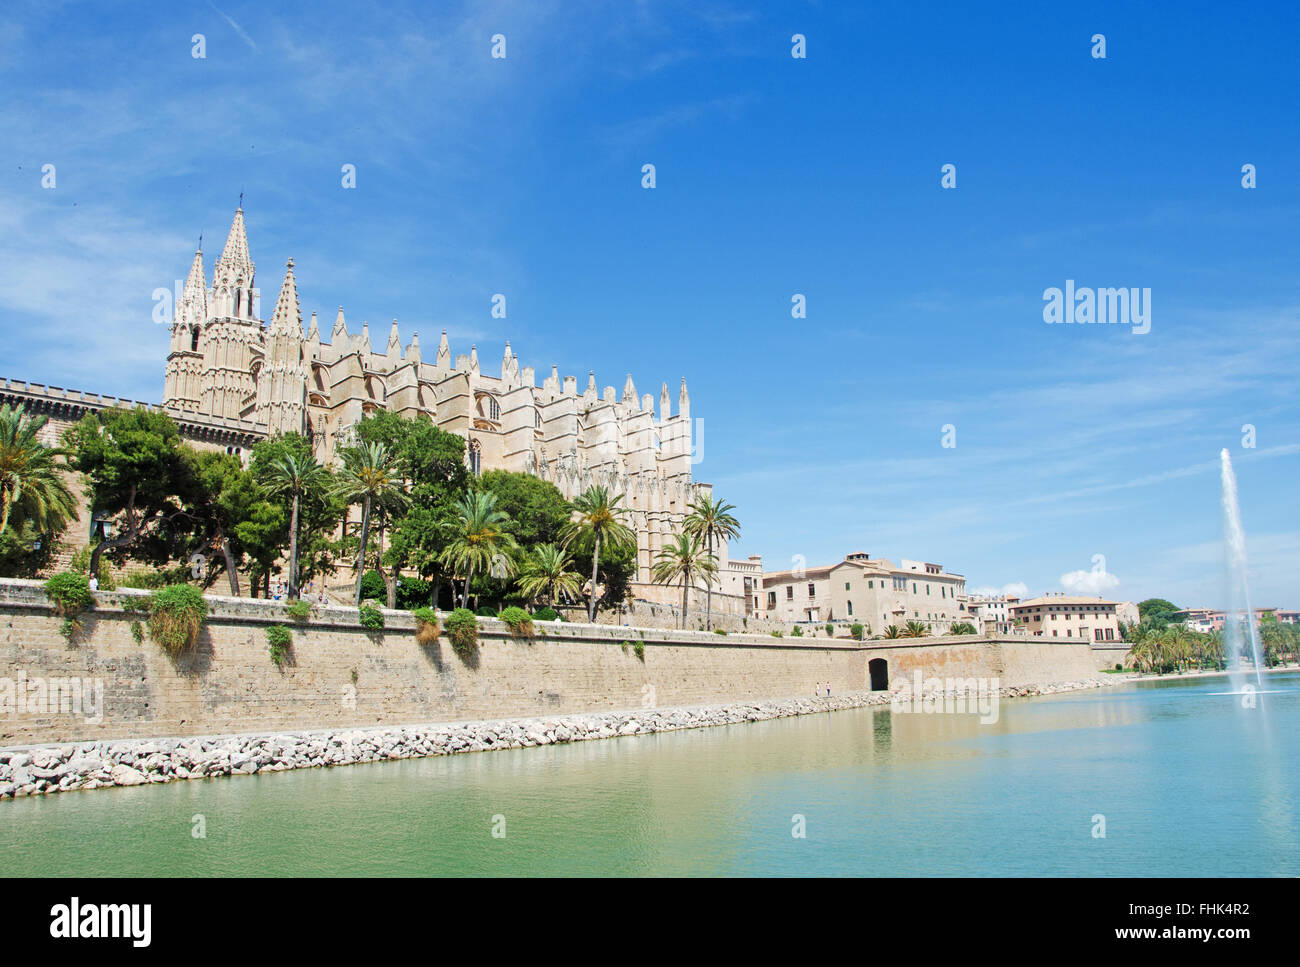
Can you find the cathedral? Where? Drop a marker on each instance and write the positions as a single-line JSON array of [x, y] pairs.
[[229, 377]]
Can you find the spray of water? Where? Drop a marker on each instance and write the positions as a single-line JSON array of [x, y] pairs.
[[1239, 634]]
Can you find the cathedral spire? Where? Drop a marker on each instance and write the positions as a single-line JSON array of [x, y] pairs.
[[443, 359], [340, 334], [232, 275], [629, 391], [665, 403], [235, 255], [287, 317], [394, 349], [193, 307]]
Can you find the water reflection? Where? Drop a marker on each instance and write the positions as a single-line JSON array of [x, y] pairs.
[[1189, 783]]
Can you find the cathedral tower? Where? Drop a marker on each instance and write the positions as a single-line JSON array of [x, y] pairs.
[[231, 338]]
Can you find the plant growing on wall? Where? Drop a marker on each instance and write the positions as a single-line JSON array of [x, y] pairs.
[[70, 593], [857, 631], [176, 616], [462, 628], [426, 625], [281, 640], [372, 619], [518, 621], [797, 632], [299, 611]]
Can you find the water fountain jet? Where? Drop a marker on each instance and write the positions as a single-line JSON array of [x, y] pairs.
[[1237, 633]]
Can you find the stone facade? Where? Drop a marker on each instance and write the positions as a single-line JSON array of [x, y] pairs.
[[1069, 616], [872, 591], [341, 676]]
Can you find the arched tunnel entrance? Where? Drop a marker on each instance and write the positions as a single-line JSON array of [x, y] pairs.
[[878, 668]]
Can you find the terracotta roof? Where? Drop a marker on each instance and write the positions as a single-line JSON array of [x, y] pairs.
[[1055, 599]]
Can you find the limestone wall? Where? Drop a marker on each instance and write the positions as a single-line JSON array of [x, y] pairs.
[[343, 676]]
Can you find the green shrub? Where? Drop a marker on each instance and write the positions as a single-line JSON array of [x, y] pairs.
[[830, 630], [519, 621], [462, 628], [137, 632], [486, 612], [413, 593], [373, 586], [639, 648], [719, 631], [426, 625], [857, 631], [299, 611], [797, 633], [546, 614], [778, 634], [70, 593], [281, 639], [176, 615], [372, 619]]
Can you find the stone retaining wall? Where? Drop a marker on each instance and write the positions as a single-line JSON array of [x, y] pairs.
[[341, 676]]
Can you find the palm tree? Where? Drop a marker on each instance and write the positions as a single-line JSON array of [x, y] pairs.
[[684, 559], [597, 518], [32, 486], [915, 629], [481, 541], [545, 574], [370, 475], [893, 631], [710, 520], [298, 477]]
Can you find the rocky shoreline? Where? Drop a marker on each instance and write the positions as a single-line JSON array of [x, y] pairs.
[[42, 770]]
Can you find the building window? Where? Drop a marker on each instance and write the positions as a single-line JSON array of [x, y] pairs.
[[771, 599], [812, 590], [194, 339], [846, 585], [475, 457], [850, 608], [789, 592]]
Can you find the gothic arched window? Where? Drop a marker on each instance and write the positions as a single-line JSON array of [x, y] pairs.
[[194, 339], [238, 292], [475, 457]]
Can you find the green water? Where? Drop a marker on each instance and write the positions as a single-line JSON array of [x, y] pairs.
[[1188, 782]]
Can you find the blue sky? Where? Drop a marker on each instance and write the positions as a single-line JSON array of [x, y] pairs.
[[775, 176]]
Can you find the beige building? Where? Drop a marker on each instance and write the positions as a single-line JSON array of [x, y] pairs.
[[993, 613], [232, 380], [741, 581], [1069, 616], [871, 591]]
